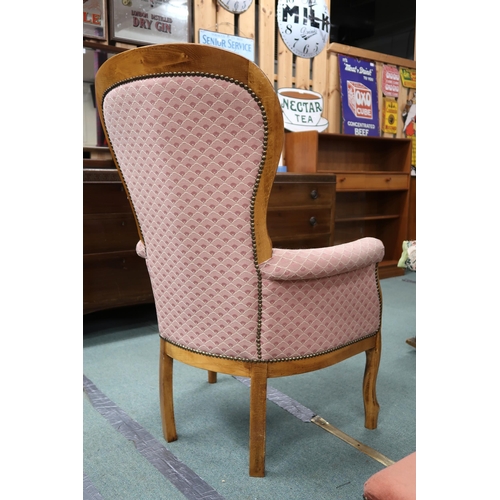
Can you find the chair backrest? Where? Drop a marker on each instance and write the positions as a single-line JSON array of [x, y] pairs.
[[196, 133]]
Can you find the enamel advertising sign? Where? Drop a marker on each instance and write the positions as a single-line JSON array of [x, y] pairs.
[[302, 110], [150, 21], [94, 19], [358, 84], [390, 81], [389, 116], [408, 78], [243, 46]]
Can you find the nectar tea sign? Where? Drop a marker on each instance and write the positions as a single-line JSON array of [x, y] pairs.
[[302, 110]]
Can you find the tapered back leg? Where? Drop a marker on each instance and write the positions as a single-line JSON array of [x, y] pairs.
[[167, 395]]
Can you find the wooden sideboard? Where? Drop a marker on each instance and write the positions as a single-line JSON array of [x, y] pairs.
[[412, 216], [300, 215], [113, 274]]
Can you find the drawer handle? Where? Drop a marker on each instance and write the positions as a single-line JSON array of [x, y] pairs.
[[314, 194], [388, 179], [342, 179], [313, 221]]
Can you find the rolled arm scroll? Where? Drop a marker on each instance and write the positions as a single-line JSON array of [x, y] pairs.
[[315, 263], [140, 249]]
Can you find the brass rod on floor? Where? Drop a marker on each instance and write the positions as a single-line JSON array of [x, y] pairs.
[[321, 422]]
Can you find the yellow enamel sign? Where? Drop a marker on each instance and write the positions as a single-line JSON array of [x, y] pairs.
[[408, 78], [389, 116]]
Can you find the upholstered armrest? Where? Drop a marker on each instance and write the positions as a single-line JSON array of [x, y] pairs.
[[314, 263], [140, 249]]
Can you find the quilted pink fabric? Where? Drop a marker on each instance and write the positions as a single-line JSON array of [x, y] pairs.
[[322, 262], [190, 150], [317, 300], [306, 317]]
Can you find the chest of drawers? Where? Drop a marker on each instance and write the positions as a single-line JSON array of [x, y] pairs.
[[113, 274], [300, 215], [301, 210]]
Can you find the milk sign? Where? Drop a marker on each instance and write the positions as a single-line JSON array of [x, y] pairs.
[[358, 84], [304, 25]]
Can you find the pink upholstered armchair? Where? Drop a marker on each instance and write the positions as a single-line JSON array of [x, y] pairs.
[[196, 133]]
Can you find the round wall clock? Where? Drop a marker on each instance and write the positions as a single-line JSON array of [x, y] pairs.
[[235, 6], [304, 25]]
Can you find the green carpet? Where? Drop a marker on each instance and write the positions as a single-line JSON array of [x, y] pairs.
[[303, 461]]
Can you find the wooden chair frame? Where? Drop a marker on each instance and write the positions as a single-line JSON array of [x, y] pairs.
[[199, 58]]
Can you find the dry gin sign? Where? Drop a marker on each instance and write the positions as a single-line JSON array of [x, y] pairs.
[[358, 85], [304, 25], [150, 21]]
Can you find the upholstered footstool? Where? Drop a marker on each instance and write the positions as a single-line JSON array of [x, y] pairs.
[[396, 482]]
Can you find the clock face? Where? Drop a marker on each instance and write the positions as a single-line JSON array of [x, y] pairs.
[[235, 6], [304, 25]]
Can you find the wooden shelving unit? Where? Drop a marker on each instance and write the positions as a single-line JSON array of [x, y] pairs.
[[373, 185]]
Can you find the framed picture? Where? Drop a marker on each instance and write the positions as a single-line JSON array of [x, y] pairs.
[[145, 22], [94, 19]]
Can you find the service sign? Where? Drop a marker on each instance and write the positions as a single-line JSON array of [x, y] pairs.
[[94, 19], [304, 26], [150, 21], [358, 86], [242, 46]]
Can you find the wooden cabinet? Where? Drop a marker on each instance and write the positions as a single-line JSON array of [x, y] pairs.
[[301, 210], [300, 215], [113, 274], [373, 185], [412, 222]]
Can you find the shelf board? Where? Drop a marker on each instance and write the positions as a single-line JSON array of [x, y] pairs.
[[362, 218], [295, 236], [340, 172], [292, 208]]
